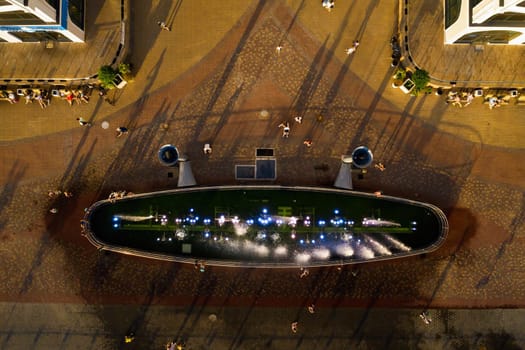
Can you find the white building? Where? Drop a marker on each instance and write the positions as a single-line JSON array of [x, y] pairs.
[[42, 20], [484, 22]]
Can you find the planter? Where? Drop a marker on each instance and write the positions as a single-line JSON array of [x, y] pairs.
[[397, 83], [407, 86], [119, 81]]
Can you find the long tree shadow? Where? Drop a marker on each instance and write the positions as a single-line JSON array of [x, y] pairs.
[[15, 175], [230, 66], [515, 226]]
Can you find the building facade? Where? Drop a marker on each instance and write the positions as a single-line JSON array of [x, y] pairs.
[[484, 22], [42, 20]]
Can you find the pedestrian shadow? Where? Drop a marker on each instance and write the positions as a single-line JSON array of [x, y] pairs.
[[144, 36], [291, 24], [170, 19]]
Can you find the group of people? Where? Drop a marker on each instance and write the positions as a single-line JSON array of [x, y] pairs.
[[175, 345], [113, 196], [55, 194], [77, 96], [456, 99], [41, 96], [328, 4]]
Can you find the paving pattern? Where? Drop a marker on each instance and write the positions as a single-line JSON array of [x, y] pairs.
[[431, 154]]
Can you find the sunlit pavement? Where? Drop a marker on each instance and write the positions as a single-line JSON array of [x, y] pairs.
[[212, 89]]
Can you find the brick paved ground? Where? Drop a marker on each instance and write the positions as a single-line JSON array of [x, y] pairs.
[[464, 160]]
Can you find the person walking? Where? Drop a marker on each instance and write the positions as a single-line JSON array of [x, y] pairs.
[[121, 130], [83, 122], [163, 26], [352, 49], [311, 308]]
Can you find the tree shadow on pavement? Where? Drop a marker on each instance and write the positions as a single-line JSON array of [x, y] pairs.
[[224, 77], [144, 36], [516, 224], [15, 175]]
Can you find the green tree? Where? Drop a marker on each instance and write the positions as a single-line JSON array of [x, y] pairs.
[[421, 78], [125, 70], [106, 75]]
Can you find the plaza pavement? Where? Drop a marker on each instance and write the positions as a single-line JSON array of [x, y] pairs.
[[464, 160]]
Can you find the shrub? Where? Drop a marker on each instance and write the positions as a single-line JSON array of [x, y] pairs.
[[125, 70], [106, 75], [421, 79], [400, 74]]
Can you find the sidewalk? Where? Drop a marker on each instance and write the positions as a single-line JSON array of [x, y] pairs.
[[67, 60], [499, 66], [54, 326]]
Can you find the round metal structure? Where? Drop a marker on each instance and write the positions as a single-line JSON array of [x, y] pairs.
[[168, 155], [362, 157]]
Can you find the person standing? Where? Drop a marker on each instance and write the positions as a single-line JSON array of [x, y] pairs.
[[163, 26]]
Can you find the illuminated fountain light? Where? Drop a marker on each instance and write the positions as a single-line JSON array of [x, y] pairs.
[[378, 247], [132, 217], [337, 221], [368, 222], [293, 221], [302, 258], [235, 220], [280, 251], [364, 252], [181, 234], [261, 235], [396, 244], [344, 250], [321, 253], [346, 237], [207, 221], [275, 236], [221, 220], [258, 249], [307, 221], [264, 221], [240, 228]]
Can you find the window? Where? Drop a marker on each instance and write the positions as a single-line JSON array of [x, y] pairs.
[[76, 12], [493, 37], [39, 36], [53, 3], [452, 9], [19, 18], [507, 19]]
